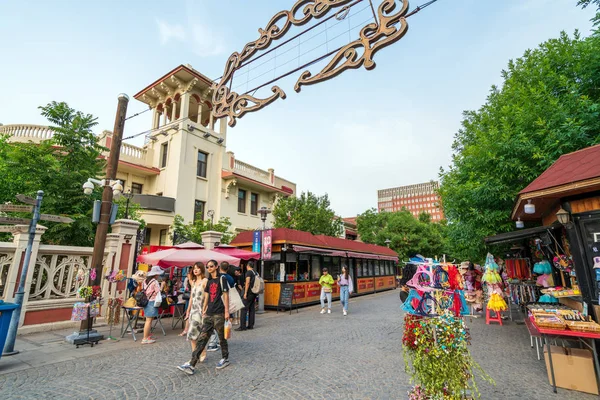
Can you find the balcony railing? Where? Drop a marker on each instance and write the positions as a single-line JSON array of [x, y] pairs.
[[252, 172], [27, 132], [152, 202]]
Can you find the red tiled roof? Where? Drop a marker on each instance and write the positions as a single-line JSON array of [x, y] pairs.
[[573, 167], [350, 220], [306, 238]]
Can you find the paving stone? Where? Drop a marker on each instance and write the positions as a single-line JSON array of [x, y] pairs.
[[305, 355]]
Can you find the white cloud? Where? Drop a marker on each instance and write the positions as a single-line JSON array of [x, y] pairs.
[[168, 32], [207, 42]]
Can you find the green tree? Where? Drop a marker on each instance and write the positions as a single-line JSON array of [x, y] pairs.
[[585, 3], [59, 167], [407, 235], [192, 232], [309, 213], [134, 212], [548, 105]]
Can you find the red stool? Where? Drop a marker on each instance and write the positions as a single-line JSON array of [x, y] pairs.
[[488, 318]]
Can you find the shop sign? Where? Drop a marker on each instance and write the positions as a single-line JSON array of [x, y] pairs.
[[266, 245], [256, 241]]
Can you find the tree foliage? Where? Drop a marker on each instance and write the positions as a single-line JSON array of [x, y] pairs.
[[59, 167], [309, 213], [585, 3], [407, 234], [548, 105], [192, 232]]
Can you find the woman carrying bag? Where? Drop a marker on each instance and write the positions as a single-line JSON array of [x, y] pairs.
[[152, 289], [326, 282], [194, 313], [344, 281]]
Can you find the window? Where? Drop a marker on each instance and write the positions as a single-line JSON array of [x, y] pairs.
[[377, 269], [201, 165], [315, 268], [241, 201], [163, 237], [147, 235], [159, 194], [136, 188], [253, 203], [164, 152], [199, 210]]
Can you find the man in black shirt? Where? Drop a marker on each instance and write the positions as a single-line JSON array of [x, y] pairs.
[[249, 297], [215, 311]]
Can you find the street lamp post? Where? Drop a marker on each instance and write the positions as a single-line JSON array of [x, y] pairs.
[[128, 195], [387, 242], [264, 212]]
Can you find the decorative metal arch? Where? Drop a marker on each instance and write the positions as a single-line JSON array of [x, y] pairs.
[[388, 27]]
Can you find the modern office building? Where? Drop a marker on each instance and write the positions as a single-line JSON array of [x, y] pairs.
[[415, 198]]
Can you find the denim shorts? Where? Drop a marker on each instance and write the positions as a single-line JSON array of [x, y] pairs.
[[150, 311]]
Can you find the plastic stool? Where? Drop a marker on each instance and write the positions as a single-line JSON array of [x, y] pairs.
[[488, 318]]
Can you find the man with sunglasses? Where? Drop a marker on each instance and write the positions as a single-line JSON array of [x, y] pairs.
[[215, 311]]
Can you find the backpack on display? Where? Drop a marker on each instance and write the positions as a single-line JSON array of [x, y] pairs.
[[259, 284]]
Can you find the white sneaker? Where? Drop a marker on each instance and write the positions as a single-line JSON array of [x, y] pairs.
[[345, 312], [322, 311], [329, 311]]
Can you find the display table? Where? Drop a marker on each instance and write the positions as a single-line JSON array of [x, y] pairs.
[[568, 334], [178, 313], [132, 319]]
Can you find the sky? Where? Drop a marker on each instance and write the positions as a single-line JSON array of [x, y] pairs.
[[347, 137]]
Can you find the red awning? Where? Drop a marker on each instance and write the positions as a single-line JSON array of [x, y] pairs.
[[237, 253], [327, 252]]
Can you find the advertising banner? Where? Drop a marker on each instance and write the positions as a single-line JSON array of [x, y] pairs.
[[266, 245], [256, 242]]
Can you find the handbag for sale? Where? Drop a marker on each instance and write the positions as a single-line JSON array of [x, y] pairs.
[[158, 299], [327, 289]]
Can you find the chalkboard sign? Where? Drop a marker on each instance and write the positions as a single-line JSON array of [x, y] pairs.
[[286, 297]]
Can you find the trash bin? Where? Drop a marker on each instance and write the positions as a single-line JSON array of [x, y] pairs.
[[6, 310]]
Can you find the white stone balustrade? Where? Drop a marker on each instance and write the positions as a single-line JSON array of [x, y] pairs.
[[250, 171], [27, 132]]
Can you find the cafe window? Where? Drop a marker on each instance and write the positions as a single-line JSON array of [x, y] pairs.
[[303, 267], [377, 269], [253, 203], [291, 264], [163, 237], [199, 210], [365, 264], [327, 263], [201, 164], [371, 268], [315, 265], [164, 152], [359, 271], [136, 188], [336, 269], [271, 269], [241, 201]]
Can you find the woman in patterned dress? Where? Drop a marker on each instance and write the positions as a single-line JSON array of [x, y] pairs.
[[195, 308]]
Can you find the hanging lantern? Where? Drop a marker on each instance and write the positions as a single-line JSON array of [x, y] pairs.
[[520, 224], [529, 208]]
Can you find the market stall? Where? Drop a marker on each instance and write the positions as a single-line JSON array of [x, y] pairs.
[[297, 258]]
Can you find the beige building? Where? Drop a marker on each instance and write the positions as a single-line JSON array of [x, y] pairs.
[[184, 167]]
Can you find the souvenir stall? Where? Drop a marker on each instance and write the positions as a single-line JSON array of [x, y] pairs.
[[561, 258], [436, 336], [495, 293]]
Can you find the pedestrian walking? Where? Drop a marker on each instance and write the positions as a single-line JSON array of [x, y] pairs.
[[344, 281], [215, 311], [152, 289], [187, 290], [249, 298], [198, 283], [326, 282]]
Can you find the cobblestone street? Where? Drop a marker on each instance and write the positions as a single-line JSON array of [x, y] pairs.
[[305, 355]]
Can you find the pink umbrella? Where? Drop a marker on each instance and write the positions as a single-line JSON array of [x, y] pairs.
[[237, 253], [184, 255]]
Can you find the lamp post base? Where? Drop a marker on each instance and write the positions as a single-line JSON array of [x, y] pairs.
[[10, 353]]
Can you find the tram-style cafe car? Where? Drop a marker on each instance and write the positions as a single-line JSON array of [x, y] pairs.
[[298, 257]]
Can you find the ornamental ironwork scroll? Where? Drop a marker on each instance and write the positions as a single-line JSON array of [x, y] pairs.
[[389, 26]]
